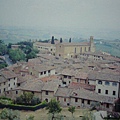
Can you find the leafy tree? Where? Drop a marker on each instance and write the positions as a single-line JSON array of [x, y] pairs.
[[3, 48], [35, 100], [53, 107], [71, 109], [27, 97], [10, 114], [31, 55], [3, 64], [27, 43], [16, 55], [52, 41], [9, 45], [70, 40], [60, 40]]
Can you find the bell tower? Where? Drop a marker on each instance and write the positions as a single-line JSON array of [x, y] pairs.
[[92, 46]]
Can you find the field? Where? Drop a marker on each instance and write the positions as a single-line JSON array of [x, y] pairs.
[[42, 114]]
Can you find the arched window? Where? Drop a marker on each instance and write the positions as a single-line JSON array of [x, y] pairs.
[[46, 100]]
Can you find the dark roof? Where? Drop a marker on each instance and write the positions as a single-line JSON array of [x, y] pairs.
[[88, 95], [63, 92], [7, 73]]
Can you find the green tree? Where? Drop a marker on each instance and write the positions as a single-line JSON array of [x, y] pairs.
[[27, 97], [10, 114], [53, 107], [31, 55], [16, 55], [71, 109], [3, 48], [52, 41], [70, 40], [60, 40]]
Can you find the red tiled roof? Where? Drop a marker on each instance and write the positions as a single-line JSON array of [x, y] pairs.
[[49, 78], [75, 85]]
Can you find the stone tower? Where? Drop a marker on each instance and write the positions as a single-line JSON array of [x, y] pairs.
[[92, 46]]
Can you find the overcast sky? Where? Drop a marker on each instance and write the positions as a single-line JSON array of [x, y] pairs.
[[95, 14]]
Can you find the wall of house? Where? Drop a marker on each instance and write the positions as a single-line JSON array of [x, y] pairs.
[[91, 82], [59, 50], [64, 101], [12, 83], [103, 87], [48, 97], [46, 73], [70, 51], [3, 87]]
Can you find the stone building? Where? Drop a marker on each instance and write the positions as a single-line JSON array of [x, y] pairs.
[[69, 50]]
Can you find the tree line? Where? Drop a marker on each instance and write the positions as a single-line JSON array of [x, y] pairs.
[[24, 52]]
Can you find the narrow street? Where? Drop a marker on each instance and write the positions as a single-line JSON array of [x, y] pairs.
[[8, 60]]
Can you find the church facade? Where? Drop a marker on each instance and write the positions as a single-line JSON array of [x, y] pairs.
[[69, 50]]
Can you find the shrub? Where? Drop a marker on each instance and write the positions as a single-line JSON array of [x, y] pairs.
[[35, 101]]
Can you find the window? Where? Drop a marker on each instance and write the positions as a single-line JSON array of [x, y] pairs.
[[99, 90], [4, 89], [41, 73], [114, 84], [64, 83], [0, 90], [65, 76], [69, 77], [14, 83], [46, 100], [9, 85], [107, 83], [114, 92], [44, 72], [107, 105], [16, 92], [4, 83], [106, 91], [85, 49], [83, 101], [48, 71], [46, 92], [100, 82], [76, 99], [64, 99], [88, 102]]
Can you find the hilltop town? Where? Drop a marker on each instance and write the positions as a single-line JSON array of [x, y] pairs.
[[72, 73]]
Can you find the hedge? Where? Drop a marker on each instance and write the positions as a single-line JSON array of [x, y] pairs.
[[23, 107]]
